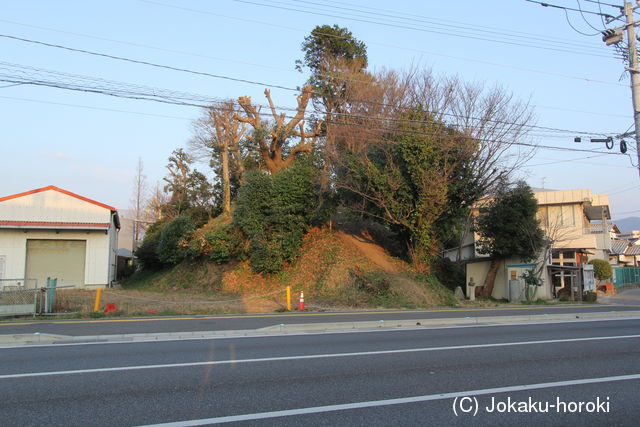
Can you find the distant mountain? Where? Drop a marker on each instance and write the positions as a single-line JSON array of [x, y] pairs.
[[628, 224]]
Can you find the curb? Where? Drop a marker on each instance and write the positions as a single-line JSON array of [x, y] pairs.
[[459, 321], [15, 340]]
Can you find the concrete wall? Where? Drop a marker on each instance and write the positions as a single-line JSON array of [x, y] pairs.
[[478, 271]]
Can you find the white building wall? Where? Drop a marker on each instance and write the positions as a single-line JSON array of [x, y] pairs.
[[13, 245], [52, 206]]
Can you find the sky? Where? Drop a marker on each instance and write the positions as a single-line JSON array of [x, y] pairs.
[[90, 143]]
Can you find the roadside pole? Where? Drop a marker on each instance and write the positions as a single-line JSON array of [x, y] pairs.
[[634, 72]]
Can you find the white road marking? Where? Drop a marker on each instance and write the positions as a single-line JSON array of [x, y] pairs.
[[400, 401], [309, 356]]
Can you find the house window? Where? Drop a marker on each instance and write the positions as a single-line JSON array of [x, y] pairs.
[[562, 216], [567, 216]]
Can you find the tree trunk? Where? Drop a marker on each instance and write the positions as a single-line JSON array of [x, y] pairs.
[[226, 182], [489, 281]]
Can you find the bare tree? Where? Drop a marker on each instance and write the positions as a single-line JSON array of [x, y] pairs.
[[156, 204], [272, 139], [218, 134], [140, 190]]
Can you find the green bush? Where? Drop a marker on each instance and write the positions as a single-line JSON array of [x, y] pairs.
[[275, 211], [224, 243], [601, 269], [448, 273], [147, 253], [173, 244], [590, 296]]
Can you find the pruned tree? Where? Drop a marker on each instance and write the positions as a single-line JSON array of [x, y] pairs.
[[217, 135], [273, 139]]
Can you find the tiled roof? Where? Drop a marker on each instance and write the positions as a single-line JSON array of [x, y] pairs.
[[618, 246], [597, 227], [633, 250]]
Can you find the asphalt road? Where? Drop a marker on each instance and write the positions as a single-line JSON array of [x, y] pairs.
[[410, 377], [90, 327], [626, 297]]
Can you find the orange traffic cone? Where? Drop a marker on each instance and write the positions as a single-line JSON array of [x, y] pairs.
[[301, 305]]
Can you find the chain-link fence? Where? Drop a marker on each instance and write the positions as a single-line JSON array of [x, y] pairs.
[[18, 297]]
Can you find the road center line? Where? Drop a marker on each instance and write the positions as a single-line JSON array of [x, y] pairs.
[[309, 356], [400, 401]]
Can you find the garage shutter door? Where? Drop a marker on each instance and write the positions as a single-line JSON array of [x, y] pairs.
[[63, 259]]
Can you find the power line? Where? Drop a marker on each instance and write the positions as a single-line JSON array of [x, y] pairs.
[[585, 19], [146, 46], [390, 24], [201, 73], [366, 126], [90, 107], [151, 64], [478, 61], [449, 23], [446, 25], [600, 3], [568, 8], [566, 161]]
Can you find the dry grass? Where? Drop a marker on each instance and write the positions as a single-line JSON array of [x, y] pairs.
[[327, 271]]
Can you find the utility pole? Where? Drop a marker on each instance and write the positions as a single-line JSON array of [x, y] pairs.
[[634, 73]]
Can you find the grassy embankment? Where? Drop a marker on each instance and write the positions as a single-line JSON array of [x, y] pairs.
[[335, 270]]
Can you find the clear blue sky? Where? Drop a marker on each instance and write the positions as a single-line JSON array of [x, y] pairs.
[[90, 143]]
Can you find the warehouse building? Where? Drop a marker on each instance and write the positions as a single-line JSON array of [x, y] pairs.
[[51, 232]]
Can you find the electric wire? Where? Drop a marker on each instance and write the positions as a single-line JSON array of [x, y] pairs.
[[452, 24], [566, 14], [566, 8], [585, 19], [147, 46], [180, 95], [422, 51], [391, 24], [369, 127], [151, 64]]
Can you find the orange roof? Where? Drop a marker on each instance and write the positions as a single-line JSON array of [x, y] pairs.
[[60, 190]]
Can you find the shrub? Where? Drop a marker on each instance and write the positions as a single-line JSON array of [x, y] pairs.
[[449, 273], [147, 253], [372, 283], [590, 296], [173, 243], [224, 243], [601, 269], [275, 211]]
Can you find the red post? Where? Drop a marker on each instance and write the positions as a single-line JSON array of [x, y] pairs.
[[301, 304]]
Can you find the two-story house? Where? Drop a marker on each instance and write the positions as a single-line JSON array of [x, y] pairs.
[[569, 220]]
